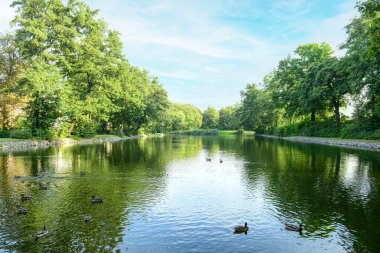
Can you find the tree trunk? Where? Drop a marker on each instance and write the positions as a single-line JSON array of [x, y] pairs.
[[312, 117], [337, 113]]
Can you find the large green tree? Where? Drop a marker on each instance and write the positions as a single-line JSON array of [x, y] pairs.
[[12, 97], [229, 118], [210, 118], [289, 85], [363, 65]]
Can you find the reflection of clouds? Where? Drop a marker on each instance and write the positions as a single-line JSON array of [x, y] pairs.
[[355, 177]]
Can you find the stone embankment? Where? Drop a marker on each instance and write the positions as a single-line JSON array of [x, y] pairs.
[[360, 144], [36, 144]]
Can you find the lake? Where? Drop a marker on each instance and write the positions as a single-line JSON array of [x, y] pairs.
[[161, 195]]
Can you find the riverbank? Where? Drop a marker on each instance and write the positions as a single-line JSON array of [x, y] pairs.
[[349, 143], [18, 144]]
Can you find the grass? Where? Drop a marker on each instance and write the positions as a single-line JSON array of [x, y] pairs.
[[10, 139], [346, 130]]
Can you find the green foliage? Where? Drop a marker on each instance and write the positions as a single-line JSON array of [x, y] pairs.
[[42, 112], [210, 118], [257, 111], [370, 11], [85, 128], [5, 134], [229, 117], [201, 132], [20, 134]]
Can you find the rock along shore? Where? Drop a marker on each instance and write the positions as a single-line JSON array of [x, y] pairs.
[[18, 145], [359, 144]]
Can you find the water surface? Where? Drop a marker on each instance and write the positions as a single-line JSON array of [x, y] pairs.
[[161, 195]]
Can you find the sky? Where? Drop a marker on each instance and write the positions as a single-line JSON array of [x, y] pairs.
[[205, 52]]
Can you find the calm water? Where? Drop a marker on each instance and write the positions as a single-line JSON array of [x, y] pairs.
[[160, 195]]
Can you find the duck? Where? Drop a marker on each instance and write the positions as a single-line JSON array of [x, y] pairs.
[[42, 186], [292, 227], [208, 159], [42, 232], [242, 229], [21, 210], [25, 198], [82, 173], [221, 161], [96, 199], [87, 218]]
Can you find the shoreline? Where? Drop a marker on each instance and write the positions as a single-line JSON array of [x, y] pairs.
[[371, 145], [24, 145]]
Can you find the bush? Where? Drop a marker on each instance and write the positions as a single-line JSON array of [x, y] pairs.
[[202, 132], [5, 134], [85, 129], [240, 131], [20, 134]]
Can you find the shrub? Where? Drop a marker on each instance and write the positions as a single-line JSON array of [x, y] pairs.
[[20, 134], [5, 134]]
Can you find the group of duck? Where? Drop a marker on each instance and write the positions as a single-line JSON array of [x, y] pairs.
[[291, 227], [41, 233], [209, 160]]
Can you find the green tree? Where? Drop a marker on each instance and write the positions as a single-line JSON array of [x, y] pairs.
[[12, 97], [332, 83], [257, 110], [288, 86], [370, 11], [229, 117], [363, 69], [210, 118]]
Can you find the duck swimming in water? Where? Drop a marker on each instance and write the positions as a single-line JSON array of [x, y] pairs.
[[221, 161], [42, 233], [241, 229], [208, 159], [21, 210], [42, 186], [25, 198], [292, 227], [87, 218], [96, 199]]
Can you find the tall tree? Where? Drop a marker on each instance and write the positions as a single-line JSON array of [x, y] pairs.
[[229, 117], [332, 83], [12, 97], [363, 69], [210, 118], [288, 86]]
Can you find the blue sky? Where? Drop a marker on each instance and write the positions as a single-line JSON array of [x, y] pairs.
[[205, 52]]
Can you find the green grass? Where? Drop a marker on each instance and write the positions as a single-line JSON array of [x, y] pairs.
[[227, 132], [346, 130], [10, 139]]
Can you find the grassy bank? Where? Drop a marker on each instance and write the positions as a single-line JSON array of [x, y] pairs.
[[344, 131], [214, 132]]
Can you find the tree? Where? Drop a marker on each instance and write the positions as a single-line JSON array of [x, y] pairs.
[[363, 69], [257, 109], [210, 118], [229, 118], [370, 11], [289, 87], [12, 97], [332, 83]]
